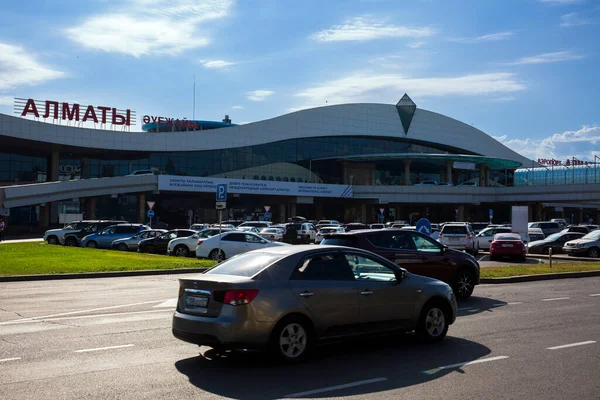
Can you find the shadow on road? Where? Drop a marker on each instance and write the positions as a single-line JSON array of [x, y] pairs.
[[400, 359], [475, 305]]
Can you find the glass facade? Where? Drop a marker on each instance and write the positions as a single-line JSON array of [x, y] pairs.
[[19, 168], [557, 175], [296, 151]]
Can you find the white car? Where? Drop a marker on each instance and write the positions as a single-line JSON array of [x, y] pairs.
[[255, 224], [459, 236], [485, 237], [57, 236], [232, 243], [184, 246], [273, 234], [249, 229], [326, 230]]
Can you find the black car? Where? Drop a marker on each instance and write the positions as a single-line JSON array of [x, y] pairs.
[[418, 253], [91, 227], [555, 242], [159, 244], [577, 228]]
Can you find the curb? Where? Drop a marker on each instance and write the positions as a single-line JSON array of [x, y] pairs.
[[89, 275], [541, 277]]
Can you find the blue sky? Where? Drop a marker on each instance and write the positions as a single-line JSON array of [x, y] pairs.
[[523, 71]]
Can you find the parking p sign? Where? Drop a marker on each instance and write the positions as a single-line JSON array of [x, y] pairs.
[[222, 192]]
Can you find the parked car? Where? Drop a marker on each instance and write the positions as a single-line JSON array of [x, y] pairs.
[[306, 295], [249, 229], [227, 226], [272, 234], [459, 236], [326, 230], [160, 243], [548, 228], [555, 242], [397, 222], [255, 224], [577, 228], [377, 226], [104, 238], [131, 243], [199, 227], [141, 172], [560, 221], [479, 226], [485, 237], [326, 222], [469, 183], [305, 231], [231, 244], [418, 253], [57, 236], [74, 238], [445, 184], [186, 246], [588, 245], [535, 234], [354, 226], [426, 183], [508, 245]]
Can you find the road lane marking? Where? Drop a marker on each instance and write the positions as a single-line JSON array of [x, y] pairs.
[[462, 364], [90, 316], [79, 312], [556, 298], [564, 346], [337, 387], [104, 348], [481, 258], [171, 303], [514, 303], [10, 359], [595, 295]]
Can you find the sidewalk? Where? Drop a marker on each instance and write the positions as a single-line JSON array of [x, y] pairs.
[[22, 241]]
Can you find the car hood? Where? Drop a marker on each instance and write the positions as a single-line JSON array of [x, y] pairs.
[[51, 231], [583, 241]]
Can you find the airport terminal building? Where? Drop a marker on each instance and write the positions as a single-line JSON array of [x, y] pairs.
[[351, 162]]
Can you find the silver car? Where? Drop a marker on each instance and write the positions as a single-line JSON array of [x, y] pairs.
[[131, 243], [285, 299]]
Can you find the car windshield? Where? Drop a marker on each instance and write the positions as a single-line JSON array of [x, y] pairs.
[[246, 264], [554, 236], [595, 235]]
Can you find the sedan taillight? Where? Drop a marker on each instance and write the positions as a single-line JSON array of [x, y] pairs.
[[239, 297]]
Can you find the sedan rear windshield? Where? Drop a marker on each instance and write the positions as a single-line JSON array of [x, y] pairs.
[[339, 241], [507, 237], [247, 264], [454, 230]]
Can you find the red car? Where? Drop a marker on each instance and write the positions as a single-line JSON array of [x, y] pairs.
[[507, 245]]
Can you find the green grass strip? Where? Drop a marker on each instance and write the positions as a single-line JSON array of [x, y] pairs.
[[520, 270], [41, 258]]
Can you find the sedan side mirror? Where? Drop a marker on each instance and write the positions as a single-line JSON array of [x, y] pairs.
[[400, 275], [263, 241], [196, 236]]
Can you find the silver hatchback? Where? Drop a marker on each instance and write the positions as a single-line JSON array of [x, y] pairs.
[[286, 299]]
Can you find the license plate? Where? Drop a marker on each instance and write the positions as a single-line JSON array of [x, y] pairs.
[[196, 303], [507, 245]]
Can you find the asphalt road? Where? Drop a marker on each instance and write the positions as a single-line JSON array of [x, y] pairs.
[[110, 338]]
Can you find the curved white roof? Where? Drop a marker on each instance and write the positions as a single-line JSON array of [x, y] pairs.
[[363, 119]]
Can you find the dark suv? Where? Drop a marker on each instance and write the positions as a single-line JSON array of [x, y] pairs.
[[91, 227], [417, 253]]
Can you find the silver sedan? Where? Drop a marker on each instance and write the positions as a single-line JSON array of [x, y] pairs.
[[286, 299], [131, 243]]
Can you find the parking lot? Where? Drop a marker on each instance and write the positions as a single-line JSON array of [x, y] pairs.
[[111, 338]]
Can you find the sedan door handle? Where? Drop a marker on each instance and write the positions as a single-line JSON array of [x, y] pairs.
[[306, 294], [366, 292]]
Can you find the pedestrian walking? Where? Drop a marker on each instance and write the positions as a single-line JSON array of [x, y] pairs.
[[2, 228]]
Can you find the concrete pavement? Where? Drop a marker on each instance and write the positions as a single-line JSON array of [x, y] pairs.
[[110, 338]]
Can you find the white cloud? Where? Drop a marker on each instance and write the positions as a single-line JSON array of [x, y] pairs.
[[363, 29], [6, 101], [216, 64], [557, 56], [237, 107], [416, 45], [492, 37], [575, 19], [259, 95], [582, 144], [503, 99], [144, 27], [19, 67], [379, 88], [561, 2]]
